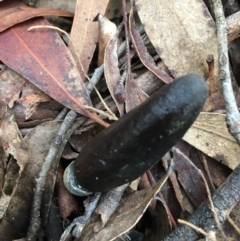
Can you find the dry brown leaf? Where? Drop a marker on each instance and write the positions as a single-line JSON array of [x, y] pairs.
[[15, 156], [107, 29], [132, 97], [129, 211], [11, 84], [38, 141], [181, 197], [111, 70], [189, 178], [143, 54], [11, 140], [31, 95], [210, 135], [30, 98], [45, 112], [182, 32], [84, 31], [14, 12]]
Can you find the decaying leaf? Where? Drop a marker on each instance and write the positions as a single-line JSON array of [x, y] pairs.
[[209, 134], [11, 84], [11, 140], [15, 156], [182, 32], [143, 54], [107, 29], [14, 224], [84, 31], [44, 112], [189, 178], [129, 211], [58, 79], [111, 70], [132, 94], [30, 98], [14, 12]]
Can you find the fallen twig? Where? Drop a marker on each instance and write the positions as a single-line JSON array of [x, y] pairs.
[[233, 115], [53, 155]]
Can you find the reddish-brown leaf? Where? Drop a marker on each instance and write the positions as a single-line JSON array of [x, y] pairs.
[[189, 178], [14, 12], [42, 58], [143, 54]]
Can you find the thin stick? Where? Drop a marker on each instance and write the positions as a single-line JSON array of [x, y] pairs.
[[128, 55], [125, 21], [200, 230], [233, 116], [236, 228], [113, 116], [52, 156], [79, 223], [110, 117], [212, 205], [49, 27]]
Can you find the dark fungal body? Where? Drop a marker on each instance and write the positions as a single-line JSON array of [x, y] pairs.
[[134, 143]]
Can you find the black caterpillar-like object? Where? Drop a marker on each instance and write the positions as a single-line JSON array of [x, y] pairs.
[[138, 140]]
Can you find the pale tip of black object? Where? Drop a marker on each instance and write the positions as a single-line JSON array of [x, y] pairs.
[[71, 184]]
